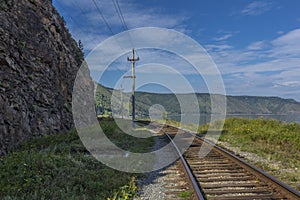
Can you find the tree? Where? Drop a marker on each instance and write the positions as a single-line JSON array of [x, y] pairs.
[[80, 45]]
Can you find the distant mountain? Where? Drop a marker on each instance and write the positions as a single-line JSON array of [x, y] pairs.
[[261, 105], [244, 105]]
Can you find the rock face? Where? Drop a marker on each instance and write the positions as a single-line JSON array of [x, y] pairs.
[[38, 65]]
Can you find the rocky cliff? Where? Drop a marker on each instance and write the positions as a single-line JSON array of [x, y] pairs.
[[38, 64]]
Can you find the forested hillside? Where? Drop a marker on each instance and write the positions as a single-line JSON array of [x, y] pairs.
[[247, 105]]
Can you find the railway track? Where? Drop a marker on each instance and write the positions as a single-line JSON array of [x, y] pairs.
[[221, 175]]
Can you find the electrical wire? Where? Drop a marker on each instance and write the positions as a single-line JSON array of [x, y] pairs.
[[123, 22], [120, 14], [102, 16]]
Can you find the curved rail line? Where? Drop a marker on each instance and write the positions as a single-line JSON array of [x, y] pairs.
[[189, 171], [221, 175]]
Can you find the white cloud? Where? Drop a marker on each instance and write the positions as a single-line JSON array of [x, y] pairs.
[[282, 52], [287, 45], [224, 37], [288, 39], [257, 8], [280, 32], [259, 45], [263, 67], [153, 45], [290, 83], [218, 47], [88, 26]]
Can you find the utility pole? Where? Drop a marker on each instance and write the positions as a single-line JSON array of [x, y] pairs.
[[121, 94], [133, 60]]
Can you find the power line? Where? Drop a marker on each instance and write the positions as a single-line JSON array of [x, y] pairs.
[[122, 19], [122, 15], [119, 12], [102, 16]]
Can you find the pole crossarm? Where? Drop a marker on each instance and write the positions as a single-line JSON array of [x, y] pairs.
[[129, 76]]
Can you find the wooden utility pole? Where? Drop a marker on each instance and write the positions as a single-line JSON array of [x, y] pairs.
[[133, 60], [121, 96]]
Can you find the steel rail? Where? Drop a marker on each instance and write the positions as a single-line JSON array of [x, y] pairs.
[[286, 189], [283, 188], [188, 170]]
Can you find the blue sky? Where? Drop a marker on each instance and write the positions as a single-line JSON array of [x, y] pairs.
[[255, 44]]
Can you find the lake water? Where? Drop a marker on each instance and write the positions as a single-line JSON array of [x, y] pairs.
[[205, 118]]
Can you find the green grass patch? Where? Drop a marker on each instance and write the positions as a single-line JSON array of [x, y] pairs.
[[59, 167], [272, 139], [186, 194], [117, 132]]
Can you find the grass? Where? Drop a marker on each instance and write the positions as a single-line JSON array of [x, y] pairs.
[[126, 141], [59, 167], [272, 140], [186, 194], [268, 138]]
